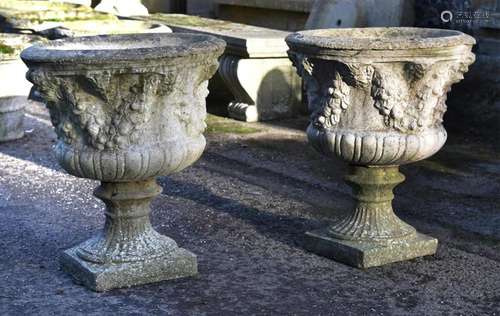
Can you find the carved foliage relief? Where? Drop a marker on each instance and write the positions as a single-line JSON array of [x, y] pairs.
[[409, 96], [103, 109]]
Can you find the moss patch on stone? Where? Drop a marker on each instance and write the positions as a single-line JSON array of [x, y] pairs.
[[219, 125], [6, 49]]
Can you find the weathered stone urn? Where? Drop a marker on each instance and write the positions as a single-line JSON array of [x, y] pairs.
[[126, 109], [377, 98]]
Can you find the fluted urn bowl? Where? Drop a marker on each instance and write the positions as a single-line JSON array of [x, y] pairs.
[[377, 95], [126, 109], [377, 98]]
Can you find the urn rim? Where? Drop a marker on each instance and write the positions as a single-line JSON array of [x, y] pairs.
[[105, 49], [378, 38]]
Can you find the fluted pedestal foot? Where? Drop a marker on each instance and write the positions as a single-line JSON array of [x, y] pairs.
[[102, 277], [369, 254], [128, 251], [371, 235]]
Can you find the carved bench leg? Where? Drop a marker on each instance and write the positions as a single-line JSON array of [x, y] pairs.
[[263, 88]]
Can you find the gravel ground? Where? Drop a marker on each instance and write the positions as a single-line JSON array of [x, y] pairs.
[[243, 209]]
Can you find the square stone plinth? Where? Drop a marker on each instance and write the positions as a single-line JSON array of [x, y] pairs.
[[102, 277], [369, 254]]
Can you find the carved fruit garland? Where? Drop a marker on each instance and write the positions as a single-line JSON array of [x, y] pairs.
[[112, 125], [333, 104]]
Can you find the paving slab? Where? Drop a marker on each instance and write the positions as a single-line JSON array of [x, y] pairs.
[[243, 210]]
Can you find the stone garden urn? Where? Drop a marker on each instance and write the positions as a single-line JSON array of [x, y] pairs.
[[126, 109], [377, 98]]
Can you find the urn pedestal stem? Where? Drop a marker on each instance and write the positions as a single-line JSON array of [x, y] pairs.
[[371, 234], [373, 218], [128, 251]]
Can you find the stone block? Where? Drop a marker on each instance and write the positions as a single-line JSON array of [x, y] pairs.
[[98, 277], [366, 254], [254, 69], [30, 14]]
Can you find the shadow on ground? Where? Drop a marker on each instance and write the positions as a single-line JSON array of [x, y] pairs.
[[242, 209]]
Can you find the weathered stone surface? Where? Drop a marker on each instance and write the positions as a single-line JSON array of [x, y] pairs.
[[204, 8], [360, 13], [475, 104], [287, 15], [243, 208], [255, 69], [122, 8], [176, 264], [165, 6], [286, 5], [368, 254], [11, 66], [15, 14], [129, 252], [377, 98], [14, 88], [242, 40], [126, 108]]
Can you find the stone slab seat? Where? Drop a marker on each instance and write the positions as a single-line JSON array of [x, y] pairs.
[[287, 15], [254, 71]]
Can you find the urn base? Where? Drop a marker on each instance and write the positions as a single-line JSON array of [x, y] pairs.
[[179, 263], [366, 254]]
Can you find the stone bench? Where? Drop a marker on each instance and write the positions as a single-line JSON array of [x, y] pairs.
[[288, 15], [254, 70]]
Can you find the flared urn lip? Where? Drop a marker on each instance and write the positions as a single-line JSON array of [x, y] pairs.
[[108, 49], [378, 38]]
